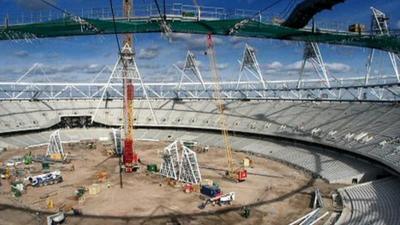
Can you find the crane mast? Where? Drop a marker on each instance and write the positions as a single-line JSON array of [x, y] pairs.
[[237, 174], [130, 157]]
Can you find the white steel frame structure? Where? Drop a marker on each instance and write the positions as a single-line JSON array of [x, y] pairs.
[[190, 65], [117, 76], [379, 26], [55, 145], [117, 136], [250, 64], [189, 171], [379, 88], [185, 169], [170, 165], [312, 54], [385, 87]]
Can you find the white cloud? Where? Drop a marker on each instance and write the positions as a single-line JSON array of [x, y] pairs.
[[62, 72], [275, 65], [149, 52], [193, 42], [181, 63], [222, 66], [297, 66], [21, 54], [278, 67], [338, 67], [398, 24]]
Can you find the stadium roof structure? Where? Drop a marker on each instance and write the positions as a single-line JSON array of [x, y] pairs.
[[70, 27], [211, 20]]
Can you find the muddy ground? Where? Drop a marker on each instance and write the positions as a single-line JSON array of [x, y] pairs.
[[276, 193]]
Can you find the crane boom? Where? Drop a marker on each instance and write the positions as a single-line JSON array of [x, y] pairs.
[[235, 173], [130, 157]]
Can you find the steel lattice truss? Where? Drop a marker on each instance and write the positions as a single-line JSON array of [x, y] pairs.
[[170, 165], [189, 171], [185, 169], [181, 19], [117, 76], [117, 141], [192, 85], [55, 145], [379, 88]]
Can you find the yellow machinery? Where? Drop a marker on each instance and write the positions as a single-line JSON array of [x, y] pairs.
[[238, 174]]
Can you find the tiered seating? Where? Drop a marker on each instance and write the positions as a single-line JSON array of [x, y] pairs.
[[330, 166], [376, 202], [356, 127]]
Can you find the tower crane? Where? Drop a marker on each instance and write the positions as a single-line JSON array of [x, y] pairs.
[[236, 173]]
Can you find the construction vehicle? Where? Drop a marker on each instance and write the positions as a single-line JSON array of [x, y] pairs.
[[192, 145], [14, 161], [17, 188], [56, 159], [46, 179], [237, 174], [5, 173], [57, 218], [245, 212], [225, 199], [80, 191]]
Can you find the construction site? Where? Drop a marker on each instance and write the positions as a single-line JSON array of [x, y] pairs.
[[201, 147], [91, 185]]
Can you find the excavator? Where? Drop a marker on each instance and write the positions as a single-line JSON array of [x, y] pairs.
[[235, 173]]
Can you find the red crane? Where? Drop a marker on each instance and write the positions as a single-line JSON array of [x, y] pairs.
[[130, 157]]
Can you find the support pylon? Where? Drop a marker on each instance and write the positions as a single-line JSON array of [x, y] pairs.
[[191, 66], [312, 54], [379, 26], [250, 63]]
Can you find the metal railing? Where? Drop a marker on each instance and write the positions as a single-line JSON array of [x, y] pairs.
[[140, 11]]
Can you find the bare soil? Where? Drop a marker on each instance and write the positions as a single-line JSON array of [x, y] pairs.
[[276, 193]]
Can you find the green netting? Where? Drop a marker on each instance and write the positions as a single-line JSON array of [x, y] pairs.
[[68, 27]]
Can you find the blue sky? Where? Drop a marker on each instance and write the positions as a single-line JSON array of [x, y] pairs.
[[80, 58]]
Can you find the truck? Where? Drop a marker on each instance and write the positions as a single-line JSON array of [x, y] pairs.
[[225, 199], [46, 179]]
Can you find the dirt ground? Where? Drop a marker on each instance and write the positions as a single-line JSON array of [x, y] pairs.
[[276, 193]]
